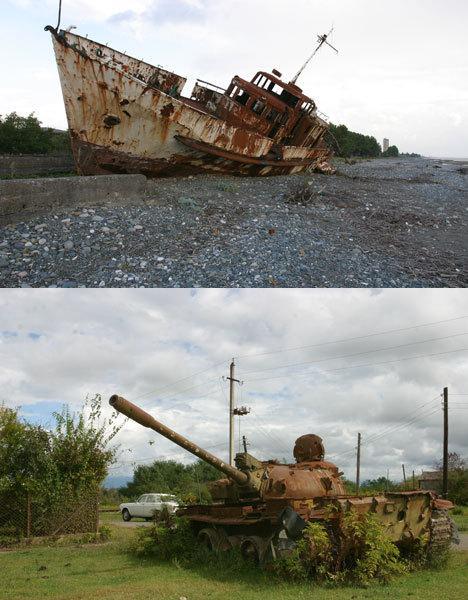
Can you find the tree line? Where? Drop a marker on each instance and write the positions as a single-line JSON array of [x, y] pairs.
[[25, 135], [347, 144], [187, 481]]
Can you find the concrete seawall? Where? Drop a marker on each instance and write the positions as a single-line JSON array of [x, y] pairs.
[[24, 198], [28, 164]]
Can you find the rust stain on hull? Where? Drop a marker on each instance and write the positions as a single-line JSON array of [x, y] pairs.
[[128, 116]]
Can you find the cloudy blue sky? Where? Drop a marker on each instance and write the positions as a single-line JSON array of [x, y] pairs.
[[401, 72], [329, 362]]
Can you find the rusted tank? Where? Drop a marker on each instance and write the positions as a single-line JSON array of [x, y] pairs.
[[127, 116], [263, 507]]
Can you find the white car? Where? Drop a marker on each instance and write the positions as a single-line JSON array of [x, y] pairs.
[[148, 505]]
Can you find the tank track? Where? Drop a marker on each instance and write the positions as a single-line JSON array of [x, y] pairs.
[[441, 531]]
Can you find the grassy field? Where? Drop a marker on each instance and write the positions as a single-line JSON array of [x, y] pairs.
[[107, 571], [462, 520]]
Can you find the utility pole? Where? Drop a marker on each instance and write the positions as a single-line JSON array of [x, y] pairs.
[[232, 381], [358, 463], [404, 475], [445, 473]]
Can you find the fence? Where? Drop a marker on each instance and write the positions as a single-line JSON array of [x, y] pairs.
[[23, 165], [25, 516]]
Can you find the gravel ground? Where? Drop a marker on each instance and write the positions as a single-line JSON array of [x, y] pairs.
[[380, 223]]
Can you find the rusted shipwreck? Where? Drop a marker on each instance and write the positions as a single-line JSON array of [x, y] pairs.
[[127, 116]]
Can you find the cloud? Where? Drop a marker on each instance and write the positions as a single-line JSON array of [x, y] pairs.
[[165, 12], [168, 350]]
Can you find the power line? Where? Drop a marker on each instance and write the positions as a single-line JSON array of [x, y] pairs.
[[360, 337], [376, 334], [388, 362], [174, 383], [402, 426], [394, 428], [356, 353], [413, 412], [157, 458]]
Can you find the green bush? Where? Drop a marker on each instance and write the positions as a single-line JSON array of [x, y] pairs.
[[369, 554], [166, 542], [25, 135]]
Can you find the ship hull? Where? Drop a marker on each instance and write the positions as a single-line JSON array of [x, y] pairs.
[[126, 116]]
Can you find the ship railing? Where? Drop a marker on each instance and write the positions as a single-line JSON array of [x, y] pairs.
[[323, 116], [216, 88]]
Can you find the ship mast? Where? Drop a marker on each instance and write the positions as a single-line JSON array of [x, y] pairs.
[[322, 39]]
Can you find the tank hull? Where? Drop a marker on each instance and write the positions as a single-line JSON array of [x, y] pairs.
[[407, 517]]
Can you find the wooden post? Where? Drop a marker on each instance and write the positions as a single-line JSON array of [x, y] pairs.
[[96, 524], [414, 482], [232, 382], [445, 462], [358, 464], [404, 475], [28, 515]]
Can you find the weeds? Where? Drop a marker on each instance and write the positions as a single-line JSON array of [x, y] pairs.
[[359, 554], [368, 555], [300, 194]]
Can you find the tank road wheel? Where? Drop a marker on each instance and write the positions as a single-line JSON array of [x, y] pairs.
[[126, 516], [209, 538], [252, 549]]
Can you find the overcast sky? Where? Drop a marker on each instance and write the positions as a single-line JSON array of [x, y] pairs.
[[57, 346], [401, 73]]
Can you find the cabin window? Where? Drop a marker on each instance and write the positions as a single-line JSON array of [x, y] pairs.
[[289, 99], [242, 98]]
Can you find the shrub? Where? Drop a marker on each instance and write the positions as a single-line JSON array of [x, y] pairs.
[[373, 556], [369, 554], [166, 542], [312, 558]]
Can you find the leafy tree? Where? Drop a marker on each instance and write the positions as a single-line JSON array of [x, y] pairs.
[[80, 444], [457, 478], [25, 455], [25, 135], [53, 468], [346, 143], [169, 476], [455, 463], [392, 152]]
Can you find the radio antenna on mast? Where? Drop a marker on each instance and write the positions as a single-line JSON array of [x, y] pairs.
[[322, 39]]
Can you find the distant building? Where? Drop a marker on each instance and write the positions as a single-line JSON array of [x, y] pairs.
[[431, 480], [386, 145]]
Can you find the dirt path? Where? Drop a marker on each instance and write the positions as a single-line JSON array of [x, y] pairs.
[[463, 542]]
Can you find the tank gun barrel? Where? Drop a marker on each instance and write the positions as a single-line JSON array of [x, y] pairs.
[[140, 416]]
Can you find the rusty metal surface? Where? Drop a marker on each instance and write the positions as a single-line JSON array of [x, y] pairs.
[[126, 115]]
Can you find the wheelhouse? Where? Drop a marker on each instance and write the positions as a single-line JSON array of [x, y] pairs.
[[271, 99]]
